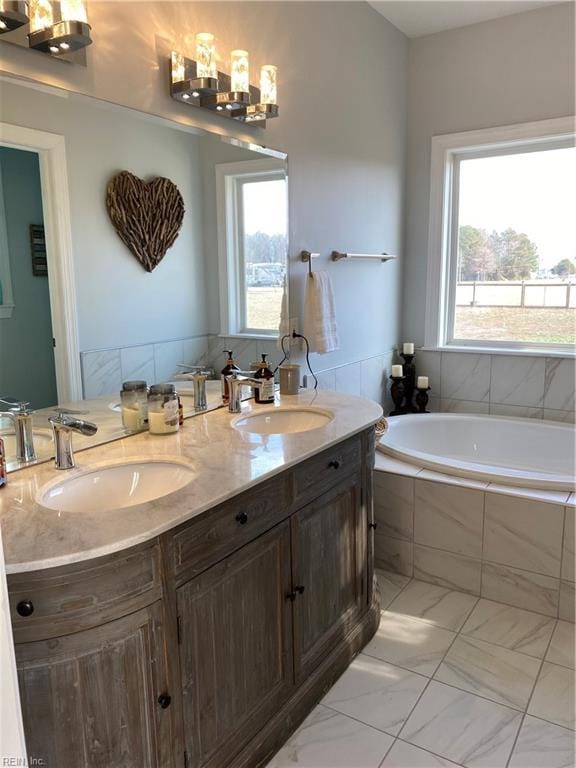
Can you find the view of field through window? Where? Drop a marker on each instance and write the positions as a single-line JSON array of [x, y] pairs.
[[264, 208], [516, 271]]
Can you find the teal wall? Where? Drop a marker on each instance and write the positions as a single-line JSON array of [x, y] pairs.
[[26, 352]]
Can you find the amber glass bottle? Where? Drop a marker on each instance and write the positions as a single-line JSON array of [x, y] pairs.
[[229, 368], [265, 392]]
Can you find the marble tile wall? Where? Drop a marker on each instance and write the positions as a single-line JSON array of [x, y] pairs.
[[103, 371], [514, 549], [502, 385]]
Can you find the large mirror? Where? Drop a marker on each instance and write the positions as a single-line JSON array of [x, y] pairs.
[[79, 314]]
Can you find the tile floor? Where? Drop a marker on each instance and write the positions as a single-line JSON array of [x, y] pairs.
[[448, 680]]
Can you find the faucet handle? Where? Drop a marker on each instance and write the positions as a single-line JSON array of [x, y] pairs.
[[20, 406], [59, 412]]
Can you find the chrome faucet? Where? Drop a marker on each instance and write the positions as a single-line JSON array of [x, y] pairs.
[[21, 418], [235, 388], [63, 425]]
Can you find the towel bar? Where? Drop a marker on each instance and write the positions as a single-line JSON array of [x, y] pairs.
[[338, 255]]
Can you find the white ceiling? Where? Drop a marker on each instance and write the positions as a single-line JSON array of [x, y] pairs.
[[424, 17]]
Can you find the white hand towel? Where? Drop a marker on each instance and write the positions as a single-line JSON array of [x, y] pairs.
[[320, 327], [284, 325]]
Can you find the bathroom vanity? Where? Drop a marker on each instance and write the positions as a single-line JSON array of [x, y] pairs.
[[198, 629]]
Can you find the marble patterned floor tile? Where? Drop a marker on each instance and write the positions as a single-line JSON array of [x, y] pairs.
[[553, 697], [504, 676], [512, 628], [390, 585], [376, 693], [404, 755], [522, 589], [327, 739], [543, 745], [409, 643], [436, 605], [464, 728], [561, 650]]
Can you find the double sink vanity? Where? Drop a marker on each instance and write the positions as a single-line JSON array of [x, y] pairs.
[[185, 600]]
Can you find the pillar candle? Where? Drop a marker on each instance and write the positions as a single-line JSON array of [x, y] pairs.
[[397, 371], [422, 382], [408, 348]]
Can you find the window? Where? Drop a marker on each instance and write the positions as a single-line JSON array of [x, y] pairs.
[[252, 219], [502, 258]]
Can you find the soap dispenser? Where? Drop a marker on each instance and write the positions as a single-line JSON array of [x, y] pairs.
[[265, 392], [228, 369]]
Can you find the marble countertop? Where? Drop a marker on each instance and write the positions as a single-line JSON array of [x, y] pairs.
[[225, 462]]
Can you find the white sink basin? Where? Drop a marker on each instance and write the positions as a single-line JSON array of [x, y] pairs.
[[283, 421], [115, 487]]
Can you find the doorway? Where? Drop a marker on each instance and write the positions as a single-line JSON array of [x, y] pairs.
[[27, 369]]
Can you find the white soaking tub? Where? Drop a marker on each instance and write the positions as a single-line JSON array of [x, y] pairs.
[[510, 451]]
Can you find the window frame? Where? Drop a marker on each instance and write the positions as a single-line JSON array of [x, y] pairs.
[[230, 179], [448, 150]]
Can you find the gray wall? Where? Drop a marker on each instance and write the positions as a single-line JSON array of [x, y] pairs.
[[342, 87], [118, 302], [26, 352], [511, 70]]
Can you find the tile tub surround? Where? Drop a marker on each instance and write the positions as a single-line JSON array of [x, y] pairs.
[[224, 460], [500, 384], [446, 697], [511, 545]]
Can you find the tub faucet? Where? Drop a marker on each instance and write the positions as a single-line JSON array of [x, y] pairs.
[[63, 425], [235, 388], [21, 418]]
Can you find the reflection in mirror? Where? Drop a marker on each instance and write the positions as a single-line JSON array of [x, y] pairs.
[[220, 285]]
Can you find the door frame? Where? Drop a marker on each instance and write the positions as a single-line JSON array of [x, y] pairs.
[[51, 151]]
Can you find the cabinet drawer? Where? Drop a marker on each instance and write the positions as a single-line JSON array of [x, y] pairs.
[[203, 542], [318, 474], [58, 601]]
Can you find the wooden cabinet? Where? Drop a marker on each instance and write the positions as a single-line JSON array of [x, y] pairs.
[[208, 646], [90, 699], [235, 647], [329, 572]]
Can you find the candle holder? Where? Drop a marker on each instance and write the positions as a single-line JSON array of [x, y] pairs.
[[397, 394], [409, 383], [422, 399]]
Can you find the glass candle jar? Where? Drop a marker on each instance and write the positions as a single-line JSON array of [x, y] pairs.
[[163, 409], [134, 404]]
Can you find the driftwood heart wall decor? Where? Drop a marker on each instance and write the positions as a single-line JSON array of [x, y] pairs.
[[146, 215]]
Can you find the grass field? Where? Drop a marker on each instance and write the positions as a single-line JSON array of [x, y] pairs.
[[263, 307], [532, 324]]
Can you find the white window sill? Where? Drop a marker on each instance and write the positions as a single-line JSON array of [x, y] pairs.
[[260, 336], [524, 352]]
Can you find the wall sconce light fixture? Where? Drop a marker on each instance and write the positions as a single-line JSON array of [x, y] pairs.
[[58, 27], [13, 14], [199, 83]]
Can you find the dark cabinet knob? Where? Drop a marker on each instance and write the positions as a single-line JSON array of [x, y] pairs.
[[242, 518], [299, 589], [25, 608], [334, 464], [373, 526], [164, 700]]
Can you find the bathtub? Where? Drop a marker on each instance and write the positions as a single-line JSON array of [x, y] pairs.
[[498, 449]]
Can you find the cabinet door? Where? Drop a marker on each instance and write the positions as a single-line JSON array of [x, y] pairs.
[[235, 647], [90, 699], [329, 572]]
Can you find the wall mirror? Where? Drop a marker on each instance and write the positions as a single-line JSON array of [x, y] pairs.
[[79, 314]]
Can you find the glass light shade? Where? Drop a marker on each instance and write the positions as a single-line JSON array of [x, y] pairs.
[[178, 67], [268, 89], [41, 15], [206, 65], [73, 10], [240, 74]]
